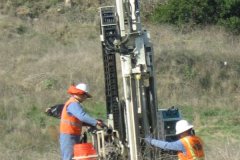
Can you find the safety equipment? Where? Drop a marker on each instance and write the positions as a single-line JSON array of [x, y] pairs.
[[194, 148], [79, 89], [182, 126], [70, 124], [84, 87]]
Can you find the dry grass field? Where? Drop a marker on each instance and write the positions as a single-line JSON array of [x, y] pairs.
[[197, 71]]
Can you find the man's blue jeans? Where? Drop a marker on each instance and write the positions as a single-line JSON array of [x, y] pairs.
[[67, 142]]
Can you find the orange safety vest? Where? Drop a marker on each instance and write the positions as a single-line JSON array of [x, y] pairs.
[[194, 148], [70, 124]]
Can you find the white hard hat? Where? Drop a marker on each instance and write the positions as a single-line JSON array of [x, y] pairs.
[[182, 126], [84, 87]]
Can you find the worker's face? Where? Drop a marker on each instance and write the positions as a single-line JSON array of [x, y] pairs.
[[81, 97], [180, 136], [184, 134]]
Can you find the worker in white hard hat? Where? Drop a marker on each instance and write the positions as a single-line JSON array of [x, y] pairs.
[[189, 146], [72, 118]]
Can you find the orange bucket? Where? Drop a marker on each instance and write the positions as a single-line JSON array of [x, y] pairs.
[[84, 151]]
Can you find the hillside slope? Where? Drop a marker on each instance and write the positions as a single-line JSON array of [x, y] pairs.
[[197, 71]]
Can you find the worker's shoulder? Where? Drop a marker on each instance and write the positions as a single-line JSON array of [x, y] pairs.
[[74, 105]]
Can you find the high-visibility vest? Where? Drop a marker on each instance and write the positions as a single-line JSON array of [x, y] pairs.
[[70, 124], [194, 148]]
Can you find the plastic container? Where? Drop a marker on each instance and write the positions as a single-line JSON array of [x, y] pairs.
[[84, 151]]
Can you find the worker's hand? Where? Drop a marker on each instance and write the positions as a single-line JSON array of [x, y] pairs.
[[148, 140], [100, 123]]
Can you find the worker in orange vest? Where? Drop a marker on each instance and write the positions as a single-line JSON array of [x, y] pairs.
[[72, 118], [189, 146]]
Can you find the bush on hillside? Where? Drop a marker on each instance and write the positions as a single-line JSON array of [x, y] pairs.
[[200, 12], [184, 11], [28, 8]]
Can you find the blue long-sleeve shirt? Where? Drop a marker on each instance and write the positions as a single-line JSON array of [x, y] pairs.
[[76, 110], [67, 141], [176, 145]]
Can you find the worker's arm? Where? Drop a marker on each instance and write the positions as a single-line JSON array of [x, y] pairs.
[[176, 146], [76, 110]]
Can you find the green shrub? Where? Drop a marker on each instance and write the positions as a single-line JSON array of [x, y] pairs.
[[232, 24], [184, 11], [200, 12]]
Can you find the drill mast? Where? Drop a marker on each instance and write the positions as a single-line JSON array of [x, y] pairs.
[[137, 114]]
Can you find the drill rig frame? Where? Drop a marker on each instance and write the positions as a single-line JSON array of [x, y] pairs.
[[136, 115]]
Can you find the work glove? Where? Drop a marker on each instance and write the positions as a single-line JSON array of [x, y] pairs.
[[100, 123], [148, 140]]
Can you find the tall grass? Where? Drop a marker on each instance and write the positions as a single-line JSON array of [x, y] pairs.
[[40, 58]]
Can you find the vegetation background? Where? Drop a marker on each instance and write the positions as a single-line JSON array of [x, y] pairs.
[[45, 46]]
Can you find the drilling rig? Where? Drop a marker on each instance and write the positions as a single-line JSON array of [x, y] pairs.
[[136, 115]]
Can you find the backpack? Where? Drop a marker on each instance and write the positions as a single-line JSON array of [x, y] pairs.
[[55, 111]]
